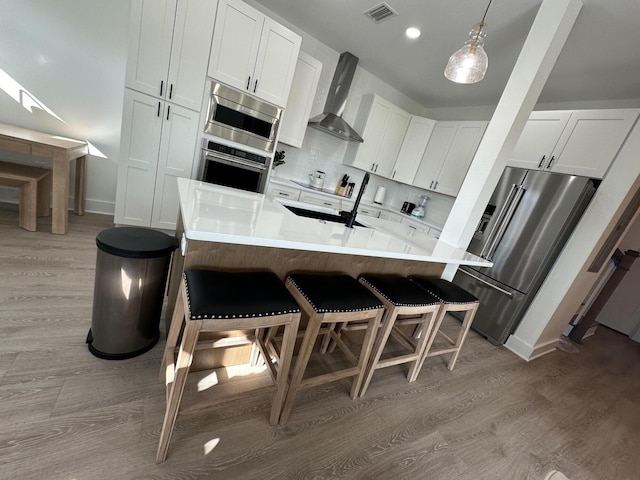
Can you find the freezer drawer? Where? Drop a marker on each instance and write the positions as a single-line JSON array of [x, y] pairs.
[[501, 307]]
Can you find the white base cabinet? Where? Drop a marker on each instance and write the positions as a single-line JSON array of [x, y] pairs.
[[169, 43], [581, 142], [253, 53], [448, 155], [158, 144]]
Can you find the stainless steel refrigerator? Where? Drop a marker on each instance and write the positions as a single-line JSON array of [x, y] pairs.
[[527, 222]]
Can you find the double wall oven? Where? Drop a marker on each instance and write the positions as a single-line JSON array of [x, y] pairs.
[[243, 132]]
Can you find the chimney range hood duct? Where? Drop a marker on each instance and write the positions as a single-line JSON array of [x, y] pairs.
[[331, 120]]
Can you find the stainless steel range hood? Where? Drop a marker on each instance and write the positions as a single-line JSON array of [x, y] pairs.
[[331, 120]]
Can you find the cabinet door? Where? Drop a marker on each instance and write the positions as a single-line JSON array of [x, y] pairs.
[[150, 37], [141, 132], [303, 90], [435, 153], [459, 157], [234, 48], [413, 146], [175, 159], [391, 142], [538, 139], [591, 140], [275, 63], [376, 121], [190, 52]]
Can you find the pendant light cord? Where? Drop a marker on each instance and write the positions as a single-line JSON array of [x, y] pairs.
[[486, 11]]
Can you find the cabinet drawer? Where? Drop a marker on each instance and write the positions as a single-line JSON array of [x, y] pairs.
[[369, 212], [284, 192], [417, 226], [320, 201]]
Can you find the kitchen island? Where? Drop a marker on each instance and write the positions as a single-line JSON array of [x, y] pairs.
[[230, 229]]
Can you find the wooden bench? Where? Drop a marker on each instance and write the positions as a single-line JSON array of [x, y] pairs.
[[35, 191]]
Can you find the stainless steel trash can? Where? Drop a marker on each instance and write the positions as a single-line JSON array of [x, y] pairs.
[[131, 274]]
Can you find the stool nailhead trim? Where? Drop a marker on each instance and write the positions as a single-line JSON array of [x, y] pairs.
[[327, 310], [398, 304], [207, 316]]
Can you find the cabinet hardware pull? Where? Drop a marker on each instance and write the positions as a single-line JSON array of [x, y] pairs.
[[168, 109], [170, 90], [394, 174], [431, 184], [158, 109], [327, 203], [161, 86], [248, 83], [376, 168], [372, 165], [542, 161], [553, 157], [436, 185], [255, 85]]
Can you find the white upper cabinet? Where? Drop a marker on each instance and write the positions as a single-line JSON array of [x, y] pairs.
[[169, 43], [449, 153], [303, 90], [383, 126], [413, 147], [251, 52], [581, 142]]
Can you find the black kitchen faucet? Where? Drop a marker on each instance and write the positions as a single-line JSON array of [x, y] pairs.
[[351, 216]]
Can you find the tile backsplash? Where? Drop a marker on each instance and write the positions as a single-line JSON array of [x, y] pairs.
[[321, 151]]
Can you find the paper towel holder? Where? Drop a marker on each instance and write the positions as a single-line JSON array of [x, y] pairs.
[[379, 197]]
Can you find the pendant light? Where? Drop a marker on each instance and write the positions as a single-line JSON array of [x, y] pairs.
[[469, 64]]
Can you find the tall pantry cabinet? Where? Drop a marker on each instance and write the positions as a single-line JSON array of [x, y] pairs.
[[169, 48]]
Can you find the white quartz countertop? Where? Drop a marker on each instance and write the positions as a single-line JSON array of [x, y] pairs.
[[220, 214]]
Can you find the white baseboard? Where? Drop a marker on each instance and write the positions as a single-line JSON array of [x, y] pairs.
[[528, 352], [10, 195]]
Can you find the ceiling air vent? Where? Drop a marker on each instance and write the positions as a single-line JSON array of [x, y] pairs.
[[380, 12]]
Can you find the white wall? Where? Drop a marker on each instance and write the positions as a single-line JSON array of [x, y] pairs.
[[70, 55]]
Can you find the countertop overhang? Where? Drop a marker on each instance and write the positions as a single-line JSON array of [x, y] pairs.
[[213, 213]]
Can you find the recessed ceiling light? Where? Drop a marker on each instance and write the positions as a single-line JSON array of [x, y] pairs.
[[412, 32]]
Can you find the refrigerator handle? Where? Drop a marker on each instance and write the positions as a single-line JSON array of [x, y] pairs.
[[495, 287], [504, 223], [486, 248]]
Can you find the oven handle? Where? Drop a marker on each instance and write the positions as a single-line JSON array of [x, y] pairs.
[[231, 160]]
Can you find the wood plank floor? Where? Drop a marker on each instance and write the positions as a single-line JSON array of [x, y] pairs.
[[65, 414]]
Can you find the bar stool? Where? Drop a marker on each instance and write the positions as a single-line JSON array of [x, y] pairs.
[[331, 300], [400, 296], [213, 301], [454, 299]]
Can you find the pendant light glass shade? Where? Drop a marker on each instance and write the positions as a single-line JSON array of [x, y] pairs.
[[469, 64]]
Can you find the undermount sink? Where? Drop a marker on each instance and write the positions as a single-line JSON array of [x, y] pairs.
[[327, 217]]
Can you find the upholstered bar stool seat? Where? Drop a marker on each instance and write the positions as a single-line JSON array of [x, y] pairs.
[[331, 300], [454, 299], [400, 296], [213, 301]]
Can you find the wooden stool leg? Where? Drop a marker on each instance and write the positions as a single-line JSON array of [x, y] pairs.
[[462, 335], [27, 210], [310, 335], [365, 352], [388, 321], [185, 357], [44, 196], [426, 329], [286, 354], [177, 320], [432, 336]]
